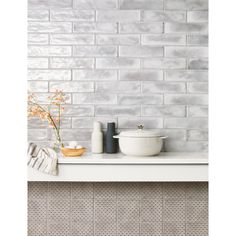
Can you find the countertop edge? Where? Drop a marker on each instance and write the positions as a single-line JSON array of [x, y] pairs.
[[167, 158]]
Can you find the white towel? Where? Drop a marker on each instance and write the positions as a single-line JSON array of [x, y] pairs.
[[42, 159]]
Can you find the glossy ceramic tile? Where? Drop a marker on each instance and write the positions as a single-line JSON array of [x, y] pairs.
[[102, 52]]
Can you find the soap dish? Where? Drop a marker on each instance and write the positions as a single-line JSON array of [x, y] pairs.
[[72, 152]]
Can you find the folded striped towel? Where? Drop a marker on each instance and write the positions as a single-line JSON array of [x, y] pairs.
[[42, 159]]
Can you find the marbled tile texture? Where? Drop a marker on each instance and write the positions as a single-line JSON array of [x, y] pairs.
[[128, 61], [117, 209]]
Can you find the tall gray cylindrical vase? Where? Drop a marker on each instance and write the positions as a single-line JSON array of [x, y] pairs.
[[111, 143]]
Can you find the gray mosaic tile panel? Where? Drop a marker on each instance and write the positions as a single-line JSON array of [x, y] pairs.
[[128, 211], [151, 210], [82, 210], [37, 228], [82, 228], [81, 190], [151, 229], [105, 210], [117, 209], [105, 190]]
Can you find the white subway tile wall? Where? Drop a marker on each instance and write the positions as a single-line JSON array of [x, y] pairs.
[[128, 61], [117, 209]]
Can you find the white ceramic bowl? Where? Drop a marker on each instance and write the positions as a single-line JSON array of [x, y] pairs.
[[140, 142]]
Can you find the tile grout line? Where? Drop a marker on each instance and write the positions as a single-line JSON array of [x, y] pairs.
[[93, 211], [162, 209], [71, 207], [47, 213], [117, 203], [139, 201], [185, 223]]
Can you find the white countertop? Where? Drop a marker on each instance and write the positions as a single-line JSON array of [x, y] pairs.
[[163, 158], [168, 166]]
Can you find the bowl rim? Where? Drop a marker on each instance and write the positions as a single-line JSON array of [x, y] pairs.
[[72, 149]]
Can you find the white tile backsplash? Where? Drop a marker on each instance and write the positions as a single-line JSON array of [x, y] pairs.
[[130, 61]]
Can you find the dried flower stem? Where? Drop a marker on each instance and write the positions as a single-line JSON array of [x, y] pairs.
[[37, 110]]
